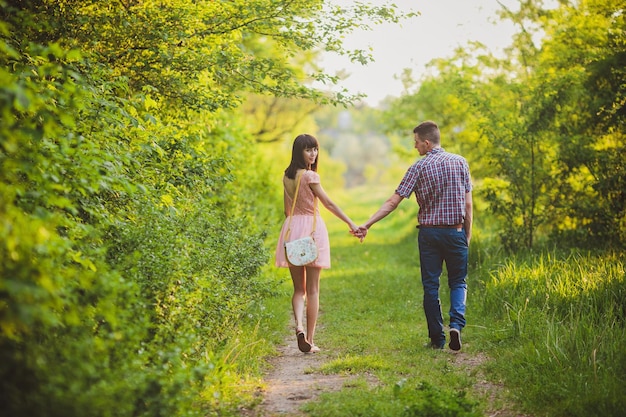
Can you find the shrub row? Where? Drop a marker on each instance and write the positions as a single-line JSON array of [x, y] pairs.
[[127, 255]]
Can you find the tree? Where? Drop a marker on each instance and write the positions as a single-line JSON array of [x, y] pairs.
[[551, 121], [582, 61], [130, 250]]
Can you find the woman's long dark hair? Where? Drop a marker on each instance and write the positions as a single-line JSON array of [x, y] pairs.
[[301, 143]]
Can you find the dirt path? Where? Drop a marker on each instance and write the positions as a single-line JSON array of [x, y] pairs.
[[497, 406], [292, 381]]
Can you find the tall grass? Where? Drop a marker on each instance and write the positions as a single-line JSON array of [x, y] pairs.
[[558, 331]]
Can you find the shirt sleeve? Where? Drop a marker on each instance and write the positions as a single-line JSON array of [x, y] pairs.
[[468, 178], [407, 185]]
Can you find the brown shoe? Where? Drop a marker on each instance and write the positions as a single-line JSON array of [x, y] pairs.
[[303, 345]]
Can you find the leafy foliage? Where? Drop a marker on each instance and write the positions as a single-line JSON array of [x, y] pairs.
[[542, 127], [133, 204]]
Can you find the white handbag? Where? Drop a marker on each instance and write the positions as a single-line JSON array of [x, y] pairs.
[[301, 251]]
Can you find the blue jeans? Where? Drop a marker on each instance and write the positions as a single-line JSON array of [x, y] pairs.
[[438, 245]]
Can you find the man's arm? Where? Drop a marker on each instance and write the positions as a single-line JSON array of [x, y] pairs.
[[388, 206], [469, 216]]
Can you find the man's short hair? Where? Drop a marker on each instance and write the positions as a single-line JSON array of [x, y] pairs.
[[429, 131]]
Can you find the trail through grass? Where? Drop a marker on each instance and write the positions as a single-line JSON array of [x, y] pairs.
[[545, 330], [372, 324]]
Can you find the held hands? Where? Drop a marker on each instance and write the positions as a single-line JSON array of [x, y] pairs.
[[356, 232], [359, 232]]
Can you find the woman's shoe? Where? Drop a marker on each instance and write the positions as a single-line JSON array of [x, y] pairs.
[[314, 349], [303, 345]]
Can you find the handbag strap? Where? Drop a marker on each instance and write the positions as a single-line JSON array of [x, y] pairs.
[[293, 207]]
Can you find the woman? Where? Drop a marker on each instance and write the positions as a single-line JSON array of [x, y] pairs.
[[303, 167]]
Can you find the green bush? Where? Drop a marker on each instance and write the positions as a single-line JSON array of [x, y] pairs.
[[121, 279]]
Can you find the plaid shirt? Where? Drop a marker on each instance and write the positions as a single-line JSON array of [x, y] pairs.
[[440, 181]]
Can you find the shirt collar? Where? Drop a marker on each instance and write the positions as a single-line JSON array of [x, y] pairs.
[[435, 151]]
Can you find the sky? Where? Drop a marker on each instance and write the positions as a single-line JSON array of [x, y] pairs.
[[442, 26]]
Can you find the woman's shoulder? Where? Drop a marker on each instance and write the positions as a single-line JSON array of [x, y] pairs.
[[311, 176]]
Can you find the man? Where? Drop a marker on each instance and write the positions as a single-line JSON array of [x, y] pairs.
[[443, 189]]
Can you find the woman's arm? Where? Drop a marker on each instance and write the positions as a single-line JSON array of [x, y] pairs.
[[331, 206]]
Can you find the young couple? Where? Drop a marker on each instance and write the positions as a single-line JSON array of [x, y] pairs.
[[442, 186]]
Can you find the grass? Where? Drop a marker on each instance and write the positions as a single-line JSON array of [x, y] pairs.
[[562, 322], [551, 325]]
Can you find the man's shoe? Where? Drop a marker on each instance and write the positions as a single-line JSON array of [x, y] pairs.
[[455, 339], [436, 344]]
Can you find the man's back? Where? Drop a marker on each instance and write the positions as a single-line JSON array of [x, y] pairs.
[[442, 180]]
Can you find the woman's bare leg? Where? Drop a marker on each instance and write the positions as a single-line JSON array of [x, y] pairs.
[[312, 282], [298, 276]]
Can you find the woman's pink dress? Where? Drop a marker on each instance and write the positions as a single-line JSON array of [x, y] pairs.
[[302, 223]]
